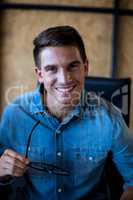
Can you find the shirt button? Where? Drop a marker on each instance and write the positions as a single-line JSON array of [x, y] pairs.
[[59, 153], [58, 131], [29, 149], [59, 190], [90, 158]]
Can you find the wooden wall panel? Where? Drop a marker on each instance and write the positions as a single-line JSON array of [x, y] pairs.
[[20, 27], [125, 61], [102, 3], [127, 4]]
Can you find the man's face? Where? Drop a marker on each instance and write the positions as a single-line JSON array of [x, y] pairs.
[[62, 72]]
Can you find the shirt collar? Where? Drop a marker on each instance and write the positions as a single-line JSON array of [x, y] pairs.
[[89, 101], [38, 107]]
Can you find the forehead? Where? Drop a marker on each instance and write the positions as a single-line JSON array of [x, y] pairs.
[[56, 55]]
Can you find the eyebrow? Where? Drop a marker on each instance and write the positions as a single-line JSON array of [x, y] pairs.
[[75, 62], [54, 65]]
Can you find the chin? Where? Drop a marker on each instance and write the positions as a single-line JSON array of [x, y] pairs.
[[68, 102]]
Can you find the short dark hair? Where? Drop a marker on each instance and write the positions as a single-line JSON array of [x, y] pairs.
[[58, 36]]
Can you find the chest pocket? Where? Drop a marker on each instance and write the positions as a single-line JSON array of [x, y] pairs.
[[86, 161], [97, 157], [35, 153], [88, 157]]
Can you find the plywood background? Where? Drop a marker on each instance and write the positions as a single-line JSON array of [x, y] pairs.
[[97, 3], [18, 29]]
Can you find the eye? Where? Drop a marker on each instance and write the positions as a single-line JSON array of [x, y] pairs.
[[51, 68], [73, 66]]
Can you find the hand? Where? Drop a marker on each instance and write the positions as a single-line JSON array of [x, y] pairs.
[[127, 194], [12, 164]]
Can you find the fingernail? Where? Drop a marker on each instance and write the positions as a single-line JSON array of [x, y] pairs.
[[27, 161]]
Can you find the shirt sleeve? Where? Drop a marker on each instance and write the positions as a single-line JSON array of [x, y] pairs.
[[4, 141], [122, 149], [4, 130]]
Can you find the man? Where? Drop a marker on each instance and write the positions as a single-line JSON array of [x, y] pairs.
[[54, 141]]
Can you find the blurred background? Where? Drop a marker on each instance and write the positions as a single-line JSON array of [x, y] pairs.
[[19, 26]]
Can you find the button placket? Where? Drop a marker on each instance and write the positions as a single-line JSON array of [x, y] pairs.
[[59, 160], [58, 131]]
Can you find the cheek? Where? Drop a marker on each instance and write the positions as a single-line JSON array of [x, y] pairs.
[[48, 83], [81, 77]]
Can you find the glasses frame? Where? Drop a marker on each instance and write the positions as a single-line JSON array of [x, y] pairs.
[[48, 168]]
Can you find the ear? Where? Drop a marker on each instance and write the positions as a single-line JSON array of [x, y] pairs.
[[39, 74], [86, 66]]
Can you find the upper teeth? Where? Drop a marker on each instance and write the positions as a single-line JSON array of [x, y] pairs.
[[65, 89]]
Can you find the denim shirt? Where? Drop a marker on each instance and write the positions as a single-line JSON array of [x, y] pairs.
[[79, 144]]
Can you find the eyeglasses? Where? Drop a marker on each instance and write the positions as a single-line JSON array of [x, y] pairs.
[[41, 166], [49, 168]]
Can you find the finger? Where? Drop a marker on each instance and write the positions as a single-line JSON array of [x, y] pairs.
[[17, 156], [14, 170], [18, 171], [12, 164], [13, 161]]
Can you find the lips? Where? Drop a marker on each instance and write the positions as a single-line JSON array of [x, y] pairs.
[[65, 89]]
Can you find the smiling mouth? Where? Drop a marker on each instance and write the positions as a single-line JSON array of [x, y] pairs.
[[65, 89]]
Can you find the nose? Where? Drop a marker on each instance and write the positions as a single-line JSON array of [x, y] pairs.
[[64, 77]]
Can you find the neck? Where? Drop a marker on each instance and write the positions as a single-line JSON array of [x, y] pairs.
[[58, 110], [59, 113]]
